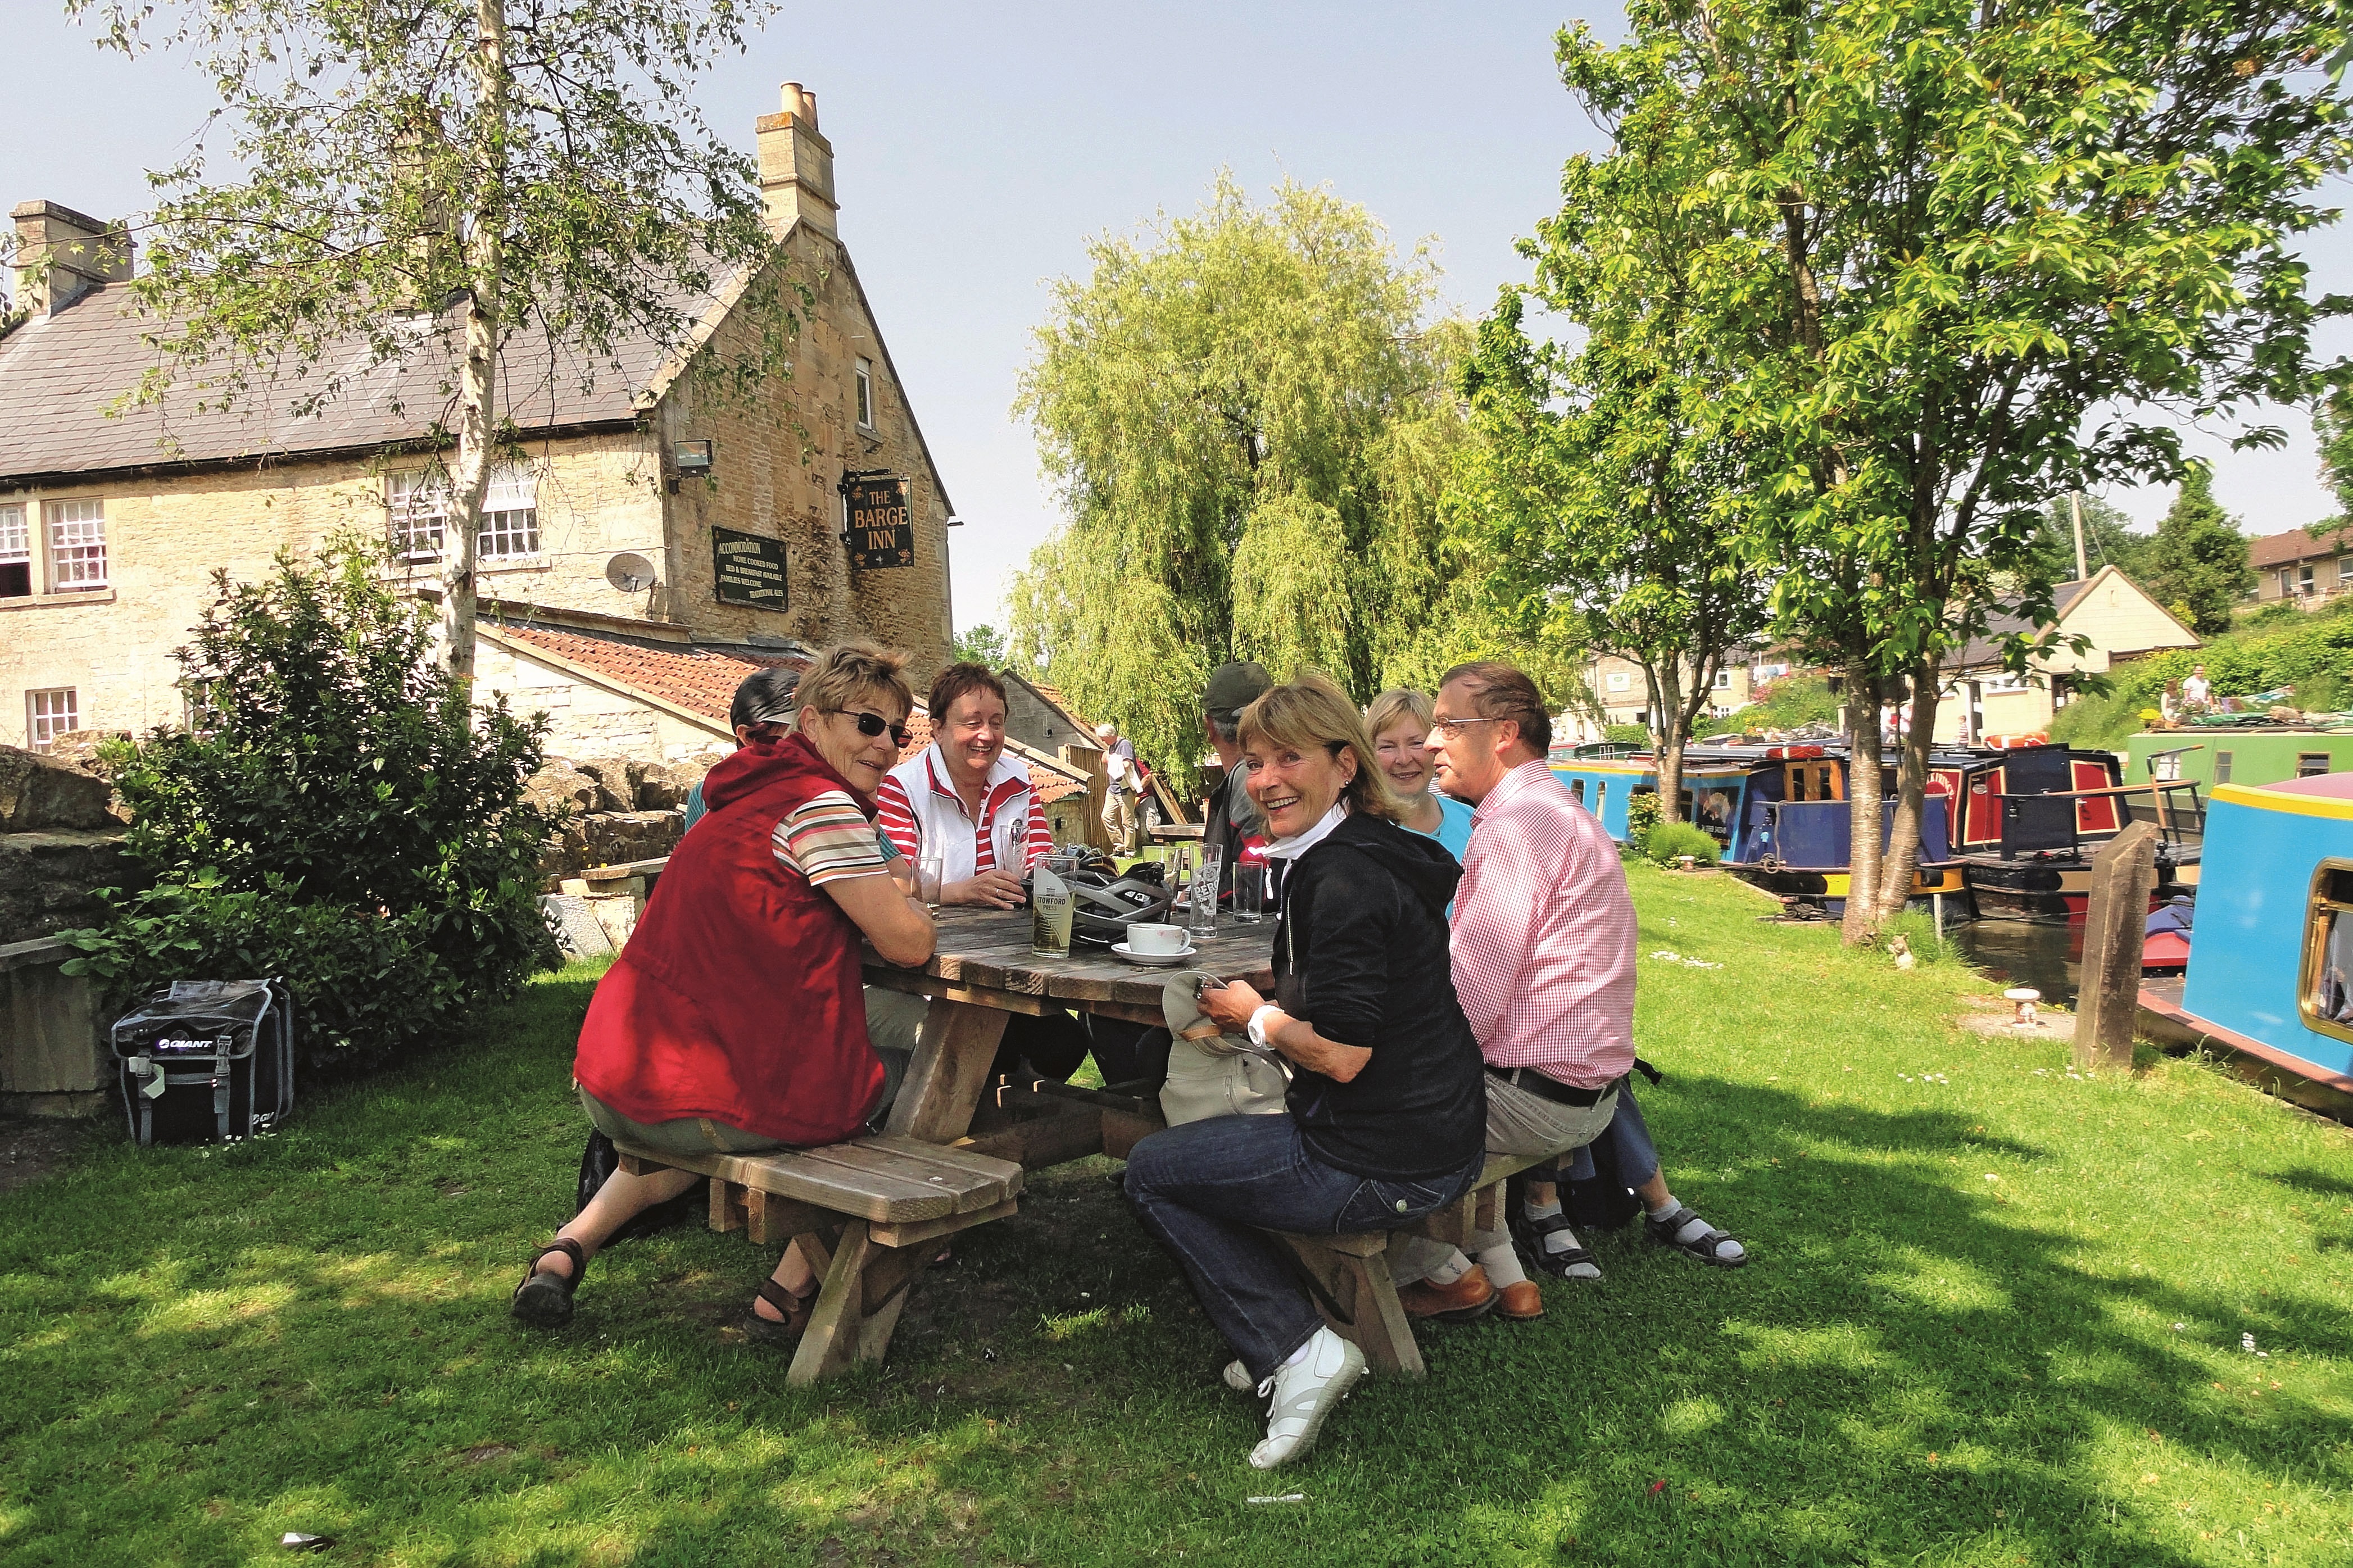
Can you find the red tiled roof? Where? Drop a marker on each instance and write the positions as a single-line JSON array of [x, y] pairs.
[[700, 680], [2295, 545]]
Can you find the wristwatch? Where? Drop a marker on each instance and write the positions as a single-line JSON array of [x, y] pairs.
[[1258, 1024]]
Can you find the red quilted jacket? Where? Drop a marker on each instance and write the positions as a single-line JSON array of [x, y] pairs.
[[738, 997]]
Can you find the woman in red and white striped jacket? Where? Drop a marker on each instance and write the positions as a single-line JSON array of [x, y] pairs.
[[963, 799]]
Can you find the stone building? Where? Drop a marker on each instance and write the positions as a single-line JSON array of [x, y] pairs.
[[634, 488]]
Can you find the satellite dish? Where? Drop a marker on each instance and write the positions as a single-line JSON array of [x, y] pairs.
[[629, 573]]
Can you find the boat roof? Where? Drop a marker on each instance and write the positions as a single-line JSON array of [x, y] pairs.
[[2323, 795]]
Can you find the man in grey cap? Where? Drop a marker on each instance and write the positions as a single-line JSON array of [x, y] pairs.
[[1233, 817]]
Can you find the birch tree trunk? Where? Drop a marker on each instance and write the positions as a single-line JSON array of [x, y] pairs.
[[1861, 923], [485, 243]]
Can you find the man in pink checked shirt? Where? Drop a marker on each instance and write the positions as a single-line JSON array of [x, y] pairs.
[[1544, 947]]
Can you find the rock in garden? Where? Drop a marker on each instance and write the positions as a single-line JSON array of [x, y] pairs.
[[37, 793]]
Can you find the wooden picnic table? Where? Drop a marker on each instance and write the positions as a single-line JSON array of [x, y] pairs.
[[982, 973]]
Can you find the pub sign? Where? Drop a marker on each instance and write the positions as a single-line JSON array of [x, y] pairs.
[[748, 569], [881, 530]]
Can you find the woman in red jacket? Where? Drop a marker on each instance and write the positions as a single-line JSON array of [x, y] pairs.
[[734, 1020]]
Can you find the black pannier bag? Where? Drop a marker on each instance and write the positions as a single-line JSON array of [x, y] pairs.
[[206, 1059]]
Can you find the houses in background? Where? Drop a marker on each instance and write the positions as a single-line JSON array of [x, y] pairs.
[[2302, 564], [648, 544], [2120, 621]]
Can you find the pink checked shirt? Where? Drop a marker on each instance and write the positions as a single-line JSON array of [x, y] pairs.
[[1544, 934]]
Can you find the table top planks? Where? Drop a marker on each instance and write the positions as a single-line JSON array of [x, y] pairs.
[[989, 950]]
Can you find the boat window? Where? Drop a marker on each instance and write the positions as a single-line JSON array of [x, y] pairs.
[[2325, 983], [2310, 763], [1576, 790], [2222, 767], [1600, 795]]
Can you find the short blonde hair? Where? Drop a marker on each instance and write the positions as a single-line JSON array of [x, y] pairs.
[[1404, 702], [851, 672], [1310, 711]]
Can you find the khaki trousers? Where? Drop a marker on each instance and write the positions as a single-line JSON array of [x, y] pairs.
[[1519, 1124], [1119, 820]]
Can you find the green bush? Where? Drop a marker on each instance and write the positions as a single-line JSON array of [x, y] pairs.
[[2311, 652], [1790, 703], [1626, 734], [1669, 841], [340, 817], [1641, 814]]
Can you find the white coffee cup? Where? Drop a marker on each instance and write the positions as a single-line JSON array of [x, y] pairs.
[[1156, 939]]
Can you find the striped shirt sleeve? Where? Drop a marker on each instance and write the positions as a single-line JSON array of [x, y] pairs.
[[1041, 838], [896, 817], [827, 839]]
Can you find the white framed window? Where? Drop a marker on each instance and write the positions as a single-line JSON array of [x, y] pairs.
[[16, 554], [1724, 681], [1619, 680], [419, 500], [2344, 571], [2303, 579], [49, 714], [77, 544], [866, 393]]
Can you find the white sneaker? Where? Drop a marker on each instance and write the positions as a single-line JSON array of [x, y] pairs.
[[1238, 1377], [1303, 1393]]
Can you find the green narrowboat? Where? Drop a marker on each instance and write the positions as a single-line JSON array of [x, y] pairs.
[[2254, 756]]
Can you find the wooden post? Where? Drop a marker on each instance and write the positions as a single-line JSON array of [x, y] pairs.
[[1089, 760], [2124, 874]]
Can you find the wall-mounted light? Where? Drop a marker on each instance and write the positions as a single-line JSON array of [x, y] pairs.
[[692, 457]]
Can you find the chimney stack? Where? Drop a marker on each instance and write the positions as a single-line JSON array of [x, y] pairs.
[[796, 167], [62, 255]]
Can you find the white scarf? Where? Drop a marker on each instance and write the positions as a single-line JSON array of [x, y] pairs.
[[1293, 848]]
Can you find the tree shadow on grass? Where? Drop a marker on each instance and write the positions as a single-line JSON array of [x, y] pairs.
[[310, 1334]]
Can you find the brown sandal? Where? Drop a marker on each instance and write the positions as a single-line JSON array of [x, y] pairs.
[[796, 1309]]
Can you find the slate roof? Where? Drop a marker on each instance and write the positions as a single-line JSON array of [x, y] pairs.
[[57, 374], [2296, 544], [1986, 650], [704, 680]]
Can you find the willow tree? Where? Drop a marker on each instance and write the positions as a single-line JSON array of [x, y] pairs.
[[434, 176], [1251, 423], [1974, 257]]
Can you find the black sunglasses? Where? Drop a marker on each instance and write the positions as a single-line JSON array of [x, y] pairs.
[[872, 724]]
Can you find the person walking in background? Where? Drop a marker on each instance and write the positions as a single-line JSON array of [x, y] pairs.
[[1120, 785], [1383, 1119]]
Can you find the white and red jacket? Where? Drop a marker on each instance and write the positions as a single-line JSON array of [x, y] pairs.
[[918, 807]]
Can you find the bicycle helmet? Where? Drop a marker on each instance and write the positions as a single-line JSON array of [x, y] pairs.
[[1103, 907]]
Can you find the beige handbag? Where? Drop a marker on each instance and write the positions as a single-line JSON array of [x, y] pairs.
[[1210, 1072]]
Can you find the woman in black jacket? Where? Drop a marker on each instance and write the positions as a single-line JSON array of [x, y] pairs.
[[1387, 1105]]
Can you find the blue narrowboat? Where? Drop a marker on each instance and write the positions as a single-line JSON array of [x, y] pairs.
[[2271, 971], [1605, 780]]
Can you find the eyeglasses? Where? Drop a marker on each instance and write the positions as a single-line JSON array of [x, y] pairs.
[[1454, 726], [872, 724]]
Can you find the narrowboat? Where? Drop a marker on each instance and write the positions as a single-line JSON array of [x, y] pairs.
[[1605, 779], [2030, 817], [2248, 757], [2271, 972]]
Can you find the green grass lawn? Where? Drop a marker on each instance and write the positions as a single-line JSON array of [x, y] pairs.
[[1994, 1317]]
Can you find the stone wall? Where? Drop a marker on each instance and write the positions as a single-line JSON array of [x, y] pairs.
[[622, 810], [60, 842]]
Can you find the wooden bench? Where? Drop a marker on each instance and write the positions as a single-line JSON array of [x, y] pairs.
[[862, 1213], [1349, 1273]]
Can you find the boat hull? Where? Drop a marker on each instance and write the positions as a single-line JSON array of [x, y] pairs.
[[2055, 891]]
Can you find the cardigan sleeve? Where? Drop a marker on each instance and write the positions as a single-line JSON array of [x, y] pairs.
[[1347, 949]]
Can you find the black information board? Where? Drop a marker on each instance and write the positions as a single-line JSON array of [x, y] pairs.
[[881, 530], [748, 568]]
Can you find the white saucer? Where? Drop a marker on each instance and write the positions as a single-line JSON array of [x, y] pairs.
[[1154, 960]]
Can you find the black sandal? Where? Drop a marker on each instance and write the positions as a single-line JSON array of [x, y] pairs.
[[1531, 1233], [796, 1309], [543, 1299], [1707, 1247]]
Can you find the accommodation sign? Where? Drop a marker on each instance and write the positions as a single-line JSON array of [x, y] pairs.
[[748, 569], [881, 524]]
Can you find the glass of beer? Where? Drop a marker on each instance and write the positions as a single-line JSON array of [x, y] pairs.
[[1049, 917]]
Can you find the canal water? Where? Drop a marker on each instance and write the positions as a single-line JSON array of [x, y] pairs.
[[2021, 953]]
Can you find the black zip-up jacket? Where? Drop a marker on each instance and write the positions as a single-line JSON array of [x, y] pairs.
[[1361, 953]]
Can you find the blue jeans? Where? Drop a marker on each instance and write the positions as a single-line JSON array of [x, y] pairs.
[[1209, 1191]]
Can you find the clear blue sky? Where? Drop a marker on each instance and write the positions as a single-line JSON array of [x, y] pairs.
[[977, 147]]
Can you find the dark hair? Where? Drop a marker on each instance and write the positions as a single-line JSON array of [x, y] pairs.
[[959, 681], [765, 697], [1500, 690]]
